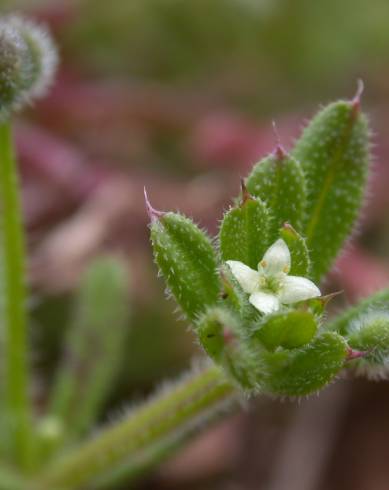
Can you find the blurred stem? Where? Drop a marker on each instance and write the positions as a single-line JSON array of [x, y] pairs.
[[13, 313], [194, 400], [146, 460]]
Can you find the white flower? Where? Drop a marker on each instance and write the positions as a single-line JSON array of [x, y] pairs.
[[270, 287]]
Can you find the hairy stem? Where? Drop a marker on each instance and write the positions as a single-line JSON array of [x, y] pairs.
[[192, 401], [12, 311], [148, 459]]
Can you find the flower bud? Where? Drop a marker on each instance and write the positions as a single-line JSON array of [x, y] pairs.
[[28, 60]]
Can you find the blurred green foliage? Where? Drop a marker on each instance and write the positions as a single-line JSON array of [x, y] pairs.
[[263, 54]]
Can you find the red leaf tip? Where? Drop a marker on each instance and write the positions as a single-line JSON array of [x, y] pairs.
[[153, 214], [279, 151], [354, 354]]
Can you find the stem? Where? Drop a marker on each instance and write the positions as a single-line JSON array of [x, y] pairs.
[[13, 313], [195, 399], [146, 460]]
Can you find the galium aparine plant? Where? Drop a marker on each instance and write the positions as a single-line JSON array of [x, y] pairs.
[[254, 300]]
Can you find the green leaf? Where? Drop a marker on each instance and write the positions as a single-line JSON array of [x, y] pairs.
[[333, 151], [244, 232], [223, 337], [300, 263], [94, 347], [304, 371], [187, 260], [343, 322], [279, 181], [290, 330]]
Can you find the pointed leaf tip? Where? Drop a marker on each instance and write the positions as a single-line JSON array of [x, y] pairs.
[[354, 354], [279, 152], [279, 182], [288, 227], [153, 214], [329, 297], [245, 193], [356, 100]]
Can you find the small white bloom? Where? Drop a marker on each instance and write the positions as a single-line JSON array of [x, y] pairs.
[[270, 287]]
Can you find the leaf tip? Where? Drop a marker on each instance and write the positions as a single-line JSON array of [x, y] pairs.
[[279, 151], [356, 100], [245, 193], [329, 297], [153, 214], [354, 354], [288, 227]]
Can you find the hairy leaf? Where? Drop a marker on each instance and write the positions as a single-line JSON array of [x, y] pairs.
[[187, 260], [244, 232], [304, 371], [290, 330], [279, 181], [333, 151]]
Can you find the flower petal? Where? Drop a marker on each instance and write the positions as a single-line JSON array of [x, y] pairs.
[[246, 277], [297, 289], [264, 302], [276, 259]]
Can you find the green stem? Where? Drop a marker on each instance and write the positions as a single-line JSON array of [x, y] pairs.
[[147, 460], [174, 411], [13, 312]]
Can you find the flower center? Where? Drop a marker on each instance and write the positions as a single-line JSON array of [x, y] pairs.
[[270, 284]]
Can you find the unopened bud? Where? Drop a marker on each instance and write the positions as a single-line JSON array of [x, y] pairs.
[[28, 60]]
